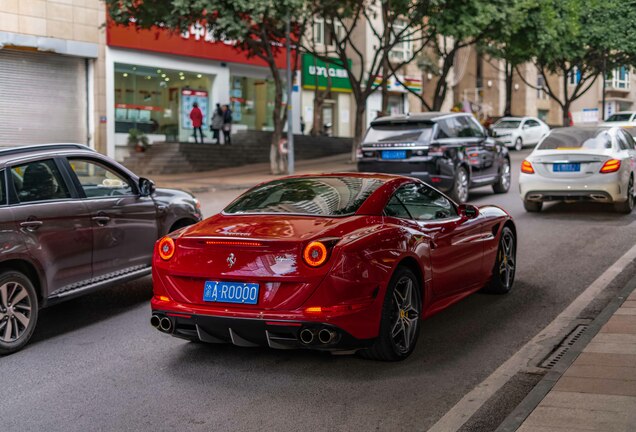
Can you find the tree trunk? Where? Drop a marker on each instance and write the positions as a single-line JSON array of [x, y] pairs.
[[275, 156], [509, 75], [319, 100], [566, 101], [385, 88], [359, 128], [442, 84]]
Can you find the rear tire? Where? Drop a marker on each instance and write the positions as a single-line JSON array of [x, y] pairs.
[[627, 206], [18, 311], [532, 206], [400, 320], [459, 192], [503, 272], [518, 144], [503, 183]]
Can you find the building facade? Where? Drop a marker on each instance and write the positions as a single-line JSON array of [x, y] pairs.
[[51, 72]]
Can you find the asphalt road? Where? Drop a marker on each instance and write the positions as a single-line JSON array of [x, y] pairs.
[[95, 363]]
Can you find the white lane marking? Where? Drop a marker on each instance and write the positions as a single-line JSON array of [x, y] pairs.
[[556, 330]]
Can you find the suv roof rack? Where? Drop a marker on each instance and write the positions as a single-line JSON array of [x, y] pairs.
[[30, 148]]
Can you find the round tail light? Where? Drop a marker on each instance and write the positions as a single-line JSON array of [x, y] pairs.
[[166, 248], [315, 254]]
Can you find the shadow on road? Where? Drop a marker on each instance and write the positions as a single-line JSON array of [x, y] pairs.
[[92, 308]]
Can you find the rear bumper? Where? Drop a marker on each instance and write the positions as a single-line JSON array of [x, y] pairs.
[[252, 332], [600, 189]]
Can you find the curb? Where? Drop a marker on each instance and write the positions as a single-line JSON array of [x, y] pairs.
[[516, 418]]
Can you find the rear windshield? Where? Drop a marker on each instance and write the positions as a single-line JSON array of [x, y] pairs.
[[399, 132], [317, 196], [576, 139], [507, 124], [619, 117]]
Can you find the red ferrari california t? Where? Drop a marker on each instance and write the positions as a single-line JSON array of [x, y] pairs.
[[338, 262]]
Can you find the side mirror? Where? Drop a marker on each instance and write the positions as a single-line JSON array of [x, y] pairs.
[[468, 211], [146, 187]]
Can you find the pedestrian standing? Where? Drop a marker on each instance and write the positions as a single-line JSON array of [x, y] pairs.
[[197, 120], [216, 124], [227, 124]]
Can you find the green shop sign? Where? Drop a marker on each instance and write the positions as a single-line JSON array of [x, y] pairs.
[[325, 75]]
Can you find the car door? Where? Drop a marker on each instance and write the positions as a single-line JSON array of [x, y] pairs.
[[456, 246], [124, 222], [54, 223], [627, 145], [481, 150], [534, 131]]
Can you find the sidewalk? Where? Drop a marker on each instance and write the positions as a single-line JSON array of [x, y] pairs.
[[246, 176], [598, 391]]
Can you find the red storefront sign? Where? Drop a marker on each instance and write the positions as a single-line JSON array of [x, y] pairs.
[[196, 42]]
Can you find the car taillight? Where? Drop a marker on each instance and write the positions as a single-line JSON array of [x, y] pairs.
[[166, 248], [610, 166], [315, 254], [526, 167]]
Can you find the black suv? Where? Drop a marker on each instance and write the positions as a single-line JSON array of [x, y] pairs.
[[71, 221], [450, 151]]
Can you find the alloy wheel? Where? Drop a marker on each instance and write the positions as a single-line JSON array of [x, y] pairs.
[[505, 176], [405, 315], [506, 259], [461, 186], [15, 311], [630, 193]]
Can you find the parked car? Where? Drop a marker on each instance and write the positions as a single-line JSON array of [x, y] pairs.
[[624, 119], [334, 262], [451, 151], [581, 164], [518, 132], [72, 221]]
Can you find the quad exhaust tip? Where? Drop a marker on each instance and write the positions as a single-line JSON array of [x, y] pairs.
[[306, 336], [326, 336], [155, 321], [165, 325]]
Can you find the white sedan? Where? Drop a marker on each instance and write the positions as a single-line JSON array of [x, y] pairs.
[[580, 164], [624, 119], [517, 132]]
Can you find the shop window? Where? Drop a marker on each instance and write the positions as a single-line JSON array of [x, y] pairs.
[[153, 100], [252, 102]]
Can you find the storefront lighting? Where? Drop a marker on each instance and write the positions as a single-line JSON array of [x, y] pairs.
[[125, 74], [134, 67], [167, 79], [199, 75], [163, 75], [180, 73], [182, 77], [158, 70]]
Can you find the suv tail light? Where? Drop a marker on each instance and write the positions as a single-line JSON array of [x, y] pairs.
[[610, 166]]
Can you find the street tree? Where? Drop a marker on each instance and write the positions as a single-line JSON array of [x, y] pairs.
[[257, 27], [578, 41], [390, 23]]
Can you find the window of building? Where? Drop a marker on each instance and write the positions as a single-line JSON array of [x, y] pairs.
[[541, 93], [402, 50], [574, 77], [618, 78], [252, 102], [157, 101], [323, 33]]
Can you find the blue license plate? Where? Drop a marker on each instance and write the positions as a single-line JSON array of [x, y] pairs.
[[230, 292], [566, 167], [394, 154]]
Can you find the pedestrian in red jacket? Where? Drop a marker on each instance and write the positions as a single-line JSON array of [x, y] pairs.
[[197, 120]]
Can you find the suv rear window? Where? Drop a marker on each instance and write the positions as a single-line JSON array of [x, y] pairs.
[[405, 132], [575, 139], [317, 196]]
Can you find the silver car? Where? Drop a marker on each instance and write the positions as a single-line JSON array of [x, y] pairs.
[[580, 164]]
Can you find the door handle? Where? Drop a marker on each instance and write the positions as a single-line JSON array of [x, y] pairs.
[[101, 220], [31, 225]]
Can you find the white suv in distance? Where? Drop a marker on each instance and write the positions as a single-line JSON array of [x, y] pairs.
[[517, 132]]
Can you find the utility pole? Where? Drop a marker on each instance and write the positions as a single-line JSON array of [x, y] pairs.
[[604, 84], [290, 89]]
